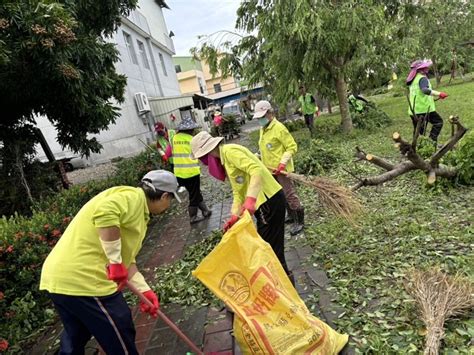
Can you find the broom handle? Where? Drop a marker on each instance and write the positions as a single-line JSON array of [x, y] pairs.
[[285, 173], [168, 321]]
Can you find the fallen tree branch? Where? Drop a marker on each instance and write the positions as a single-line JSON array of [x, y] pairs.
[[431, 166]]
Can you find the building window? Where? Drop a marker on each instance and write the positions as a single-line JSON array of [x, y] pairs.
[[217, 88], [142, 51], [130, 47], [201, 85], [177, 68], [162, 61]]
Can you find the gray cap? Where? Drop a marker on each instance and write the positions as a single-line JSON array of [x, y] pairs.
[[162, 180]]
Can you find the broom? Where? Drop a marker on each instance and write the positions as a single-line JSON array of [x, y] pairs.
[[334, 197], [439, 297]]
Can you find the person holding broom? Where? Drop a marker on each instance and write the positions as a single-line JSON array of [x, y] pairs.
[[277, 148], [421, 100], [96, 257], [253, 186], [187, 169]]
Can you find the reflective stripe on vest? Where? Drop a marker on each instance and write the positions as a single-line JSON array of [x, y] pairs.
[[184, 166], [422, 103]]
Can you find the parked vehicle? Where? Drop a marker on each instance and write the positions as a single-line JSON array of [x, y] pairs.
[[234, 108]]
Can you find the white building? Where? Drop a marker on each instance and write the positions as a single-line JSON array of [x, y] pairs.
[[146, 59]]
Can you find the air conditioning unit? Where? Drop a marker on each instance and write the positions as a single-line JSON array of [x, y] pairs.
[[142, 102]]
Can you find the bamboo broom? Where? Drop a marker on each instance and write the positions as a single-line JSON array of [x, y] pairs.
[[439, 297], [334, 197]]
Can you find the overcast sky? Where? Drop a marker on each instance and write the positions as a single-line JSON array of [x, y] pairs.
[[190, 18]]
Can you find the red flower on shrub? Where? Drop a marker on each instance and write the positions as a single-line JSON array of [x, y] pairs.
[[46, 226], [42, 238], [9, 314], [2, 295], [56, 233], [66, 220], [3, 345], [9, 249]]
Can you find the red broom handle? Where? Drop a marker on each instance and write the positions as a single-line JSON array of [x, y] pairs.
[[168, 321]]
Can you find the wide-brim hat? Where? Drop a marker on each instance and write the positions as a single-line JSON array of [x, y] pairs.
[[417, 65], [203, 143], [217, 113], [187, 124]]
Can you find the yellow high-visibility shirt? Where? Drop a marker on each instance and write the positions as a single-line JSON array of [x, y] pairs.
[[76, 265], [240, 165], [277, 146]]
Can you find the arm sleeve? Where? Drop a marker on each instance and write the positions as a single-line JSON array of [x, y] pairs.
[[111, 212], [424, 86], [289, 144], [168, 152]]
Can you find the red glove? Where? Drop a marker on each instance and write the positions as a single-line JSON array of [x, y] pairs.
[[118, 273], [164, 158], [278, 170], [318, 113], [249, 205], [443, 95], [230, 222], [153, 298]]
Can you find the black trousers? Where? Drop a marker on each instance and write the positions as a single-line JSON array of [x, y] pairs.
[[193, 185], [434, 118], [107, 318], [271, 225]]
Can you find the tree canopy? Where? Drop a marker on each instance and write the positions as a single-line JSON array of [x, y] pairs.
[[55, 62]]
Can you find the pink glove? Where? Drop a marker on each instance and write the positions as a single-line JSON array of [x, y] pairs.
[[278, 170], [230, 222], [249, 205], [118, 273], [443, 95], [153, 298]]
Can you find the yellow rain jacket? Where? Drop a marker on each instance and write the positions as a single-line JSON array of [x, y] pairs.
[[248, 176], [277, 146], [76, 265]]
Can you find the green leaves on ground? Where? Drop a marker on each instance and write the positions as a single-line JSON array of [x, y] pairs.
[[175, 282]]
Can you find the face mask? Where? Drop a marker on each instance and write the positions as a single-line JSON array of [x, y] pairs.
[[263, 121], [205, 160], [216, 169]]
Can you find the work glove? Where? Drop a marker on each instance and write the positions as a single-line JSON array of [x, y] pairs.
[[249, 205], [117, 273], [164, 158], [280, 168], [153, 298], [230, 222], [443, 95]]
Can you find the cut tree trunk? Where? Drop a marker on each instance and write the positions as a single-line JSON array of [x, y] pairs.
[[430, 167], [341, 91]]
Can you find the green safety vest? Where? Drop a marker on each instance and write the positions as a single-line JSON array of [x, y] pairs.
[[184, 166], [307, 107], [423, 103], [356, 104]]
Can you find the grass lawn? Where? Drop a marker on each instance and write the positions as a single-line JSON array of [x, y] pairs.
[[404, 225]]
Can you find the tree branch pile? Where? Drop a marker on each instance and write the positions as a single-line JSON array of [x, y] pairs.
[[431, 166]]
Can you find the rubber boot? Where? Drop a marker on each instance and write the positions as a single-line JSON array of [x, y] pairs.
[[206, 213], [193, 217], [298, 226]]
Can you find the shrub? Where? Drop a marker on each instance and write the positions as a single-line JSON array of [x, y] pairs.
[[317, 159], [295, 125], [26, 241], [371, 118]]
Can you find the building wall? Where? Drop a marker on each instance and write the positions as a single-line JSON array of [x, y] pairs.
[[189, 82], [187, 63], [226, 84], [149, 70]]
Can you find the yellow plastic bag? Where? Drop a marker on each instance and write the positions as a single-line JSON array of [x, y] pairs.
[[270, 317]]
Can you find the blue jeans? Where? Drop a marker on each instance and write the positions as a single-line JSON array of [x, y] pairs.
[[107, 318]]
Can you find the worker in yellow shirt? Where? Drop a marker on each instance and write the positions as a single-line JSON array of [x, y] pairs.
[[95, 257], [277, 148], [253, 186]]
